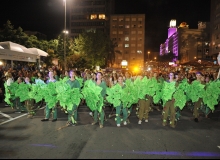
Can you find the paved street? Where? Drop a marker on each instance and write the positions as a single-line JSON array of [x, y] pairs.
[[30, 138]]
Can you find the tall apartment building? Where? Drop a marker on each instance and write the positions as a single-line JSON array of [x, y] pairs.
[[187, 44], [215, 28], [90, 15], [128, 30]]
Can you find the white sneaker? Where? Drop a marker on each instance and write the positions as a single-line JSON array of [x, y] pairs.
[[125, 123], [118, 125], [146, 120], [139, 122]]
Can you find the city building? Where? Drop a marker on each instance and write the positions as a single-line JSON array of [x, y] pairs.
[[89, 15], [187, 44], [128, 30], [215, 28]]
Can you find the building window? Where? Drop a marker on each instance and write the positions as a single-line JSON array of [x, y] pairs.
[[120, 20], [120, 26], [114, 26], [139, 45], [126, 32], [126, 52], [132, 45], [126, 38], [139, 32], [120, 32], [133, 51], [139, 26], [101, 16], [133, 32], [139, 51], [133, 38], [139, 19], [119, 45], [127, 26], [134, 26], [126, 45], [114, 32], [133, 19], [93, 16], [114, 19], [127, 19]]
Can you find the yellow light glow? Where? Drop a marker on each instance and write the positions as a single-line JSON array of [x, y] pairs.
[[136, 69], [1, 63]]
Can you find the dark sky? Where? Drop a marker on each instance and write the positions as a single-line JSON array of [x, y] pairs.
[[47, 16]]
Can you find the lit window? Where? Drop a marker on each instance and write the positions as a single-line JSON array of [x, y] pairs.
[[114, 32], [93, 16], [139, 51], [126, 38], [120, 45], [120, 32], [101, 16], [120, 19], [127, 26], [115, 19], [127, 19], [126, 45]]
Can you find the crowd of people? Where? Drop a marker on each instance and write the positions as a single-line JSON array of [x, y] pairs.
[[105, 79]]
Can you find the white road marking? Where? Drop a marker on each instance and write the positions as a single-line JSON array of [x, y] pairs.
[[5, 115], [13, 119]]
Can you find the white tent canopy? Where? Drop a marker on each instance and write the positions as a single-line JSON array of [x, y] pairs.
[[39, 52], [13, 51]]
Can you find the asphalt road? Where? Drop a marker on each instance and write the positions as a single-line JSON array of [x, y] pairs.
[[23, 138]]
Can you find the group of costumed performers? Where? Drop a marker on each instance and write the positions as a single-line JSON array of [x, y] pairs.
[[70, 91]]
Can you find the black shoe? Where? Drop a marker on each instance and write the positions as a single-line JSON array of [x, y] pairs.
[[54, 120], [196, 120], [44, 120]]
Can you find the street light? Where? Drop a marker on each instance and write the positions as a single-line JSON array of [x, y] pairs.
[[65, 32], [148, 55]]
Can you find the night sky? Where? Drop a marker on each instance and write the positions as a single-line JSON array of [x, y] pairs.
[[47, 16]]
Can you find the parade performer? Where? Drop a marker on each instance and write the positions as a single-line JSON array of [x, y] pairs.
[[199, 102], [72, 113], [168, 101], [114, 95], [103, 85], [49, 109], [29, 103]]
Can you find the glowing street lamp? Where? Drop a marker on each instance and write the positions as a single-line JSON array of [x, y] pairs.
[[148, 55]]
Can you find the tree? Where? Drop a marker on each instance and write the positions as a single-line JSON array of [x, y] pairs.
[[95, 48]]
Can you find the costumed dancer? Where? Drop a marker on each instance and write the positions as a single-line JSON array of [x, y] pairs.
[[103, 85], [198, 103], [29, 103], [144, 107], [120, 108], [72, 114], [169, 108], [47, 109]]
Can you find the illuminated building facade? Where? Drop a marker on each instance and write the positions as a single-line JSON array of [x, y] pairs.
[[128, 30], [90, 15], [187, 44], [215, 27]]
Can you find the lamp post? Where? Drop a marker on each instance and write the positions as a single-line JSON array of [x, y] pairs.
[[148, 55], [65, 32]]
